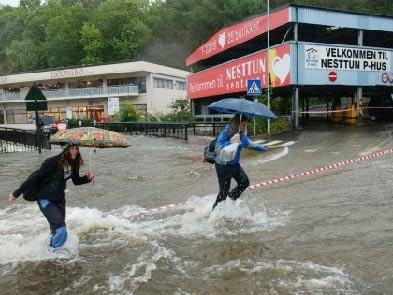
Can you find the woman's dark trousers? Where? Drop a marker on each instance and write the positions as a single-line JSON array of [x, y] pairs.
[[224, 174]]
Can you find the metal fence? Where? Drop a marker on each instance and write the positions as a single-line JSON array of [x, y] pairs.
[[207, 128], [180, 130], [173, 130], [120, 90], [19, 140]]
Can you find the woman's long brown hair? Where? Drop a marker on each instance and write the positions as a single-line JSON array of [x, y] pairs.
[[66, 161]]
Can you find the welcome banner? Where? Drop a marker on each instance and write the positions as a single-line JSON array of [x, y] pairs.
[[232, 76]]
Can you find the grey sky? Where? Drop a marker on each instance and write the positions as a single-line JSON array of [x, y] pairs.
[[10, 2]]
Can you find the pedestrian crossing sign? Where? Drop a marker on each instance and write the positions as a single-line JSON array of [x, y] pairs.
[[254, 87]]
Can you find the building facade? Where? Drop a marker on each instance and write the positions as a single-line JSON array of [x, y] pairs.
[[308, 52], [86, 90]]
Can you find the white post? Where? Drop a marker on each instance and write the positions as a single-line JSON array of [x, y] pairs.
[[5, 115], [268, 60], [359, 90]]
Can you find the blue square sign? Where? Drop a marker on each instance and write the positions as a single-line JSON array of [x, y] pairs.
[[254, 87]]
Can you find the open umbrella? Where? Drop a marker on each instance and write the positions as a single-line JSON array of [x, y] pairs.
[[242, 106], [90, 137]]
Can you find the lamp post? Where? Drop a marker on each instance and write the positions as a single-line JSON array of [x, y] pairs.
[[37, 125]]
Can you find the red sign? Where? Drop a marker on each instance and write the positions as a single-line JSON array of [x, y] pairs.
[[231, 77], [332, 76], [237, 34]]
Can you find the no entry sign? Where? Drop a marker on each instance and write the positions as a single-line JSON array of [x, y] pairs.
[[332, 76]]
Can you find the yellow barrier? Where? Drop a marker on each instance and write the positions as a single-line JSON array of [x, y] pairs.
[[350, 115]]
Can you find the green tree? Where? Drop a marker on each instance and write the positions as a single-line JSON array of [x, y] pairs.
[[62, 41], [123, 28], [22, 55], [92, 43], [11, 29], [128, 113]]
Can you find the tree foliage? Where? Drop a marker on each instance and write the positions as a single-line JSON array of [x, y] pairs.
[[128, 113]]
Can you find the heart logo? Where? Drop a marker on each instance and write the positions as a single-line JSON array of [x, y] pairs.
[[281, 67], [221, 40]]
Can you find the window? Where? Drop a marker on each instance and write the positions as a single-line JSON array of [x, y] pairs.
[[163, 83], [181, 85], [142, 108], [131, 81]]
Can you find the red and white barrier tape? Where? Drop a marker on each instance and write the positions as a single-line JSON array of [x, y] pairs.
[[324, 111], [322, 169], [281, 179], [378, 107]]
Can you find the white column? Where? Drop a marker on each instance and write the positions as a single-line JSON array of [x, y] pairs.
[[5, 114], [295, 107], [360, 37], [295, 91], [359, 90], [66, 89], [150, 93]]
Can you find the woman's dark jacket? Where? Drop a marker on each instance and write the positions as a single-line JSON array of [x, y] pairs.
[[49, 182]]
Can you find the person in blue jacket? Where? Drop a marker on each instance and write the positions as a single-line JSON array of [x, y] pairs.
[[226, 169], [49, 183]]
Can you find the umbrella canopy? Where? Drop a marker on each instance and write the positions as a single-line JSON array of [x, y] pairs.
[[89, 137], [242, 106]]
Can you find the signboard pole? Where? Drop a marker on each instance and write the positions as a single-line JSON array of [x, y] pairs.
[[38, 125], [255, 133], [268, 60], [254, 88]]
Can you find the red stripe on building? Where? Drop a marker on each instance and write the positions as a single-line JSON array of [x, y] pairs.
[[238, 34]]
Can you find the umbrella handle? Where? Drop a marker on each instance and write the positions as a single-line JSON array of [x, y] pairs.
[[90, 160], [240, 121], [90, 157]]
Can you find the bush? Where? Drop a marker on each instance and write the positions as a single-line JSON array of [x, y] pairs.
[[181, 112], [128, 113], [276, 126], [177, 116], [279, 105]]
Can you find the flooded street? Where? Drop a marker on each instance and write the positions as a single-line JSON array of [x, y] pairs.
[[329, 233]]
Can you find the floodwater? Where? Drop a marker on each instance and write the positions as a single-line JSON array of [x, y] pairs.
[[330, 233]]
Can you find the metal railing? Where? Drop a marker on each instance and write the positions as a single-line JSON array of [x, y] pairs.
[[165, 129], [126, 90], [161, 129], [176, 130], [213, 118], [19, 140], [207, 128]]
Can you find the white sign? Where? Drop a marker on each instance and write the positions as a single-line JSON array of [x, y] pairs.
[[76, 72], [113, 105], [3, 79], [69, 113], [346, 58], [386, 78]]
